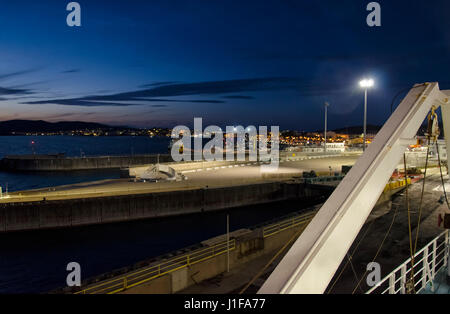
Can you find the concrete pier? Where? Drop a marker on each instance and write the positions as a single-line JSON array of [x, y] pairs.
[[97, 210], [60, 162]]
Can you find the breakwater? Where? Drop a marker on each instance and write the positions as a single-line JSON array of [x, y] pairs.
[[89, 211], [59, 162]]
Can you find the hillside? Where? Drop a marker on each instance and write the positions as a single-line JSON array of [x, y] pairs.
[[23, 126]]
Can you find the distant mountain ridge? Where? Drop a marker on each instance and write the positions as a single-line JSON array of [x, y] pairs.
[[24, 126], [11, 127]]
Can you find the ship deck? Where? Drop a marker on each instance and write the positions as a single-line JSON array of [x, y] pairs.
[[440, 284]]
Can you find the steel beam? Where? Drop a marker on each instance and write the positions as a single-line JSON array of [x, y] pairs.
[[312, 261]]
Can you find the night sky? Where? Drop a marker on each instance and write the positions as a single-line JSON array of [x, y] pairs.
[[162, 63]]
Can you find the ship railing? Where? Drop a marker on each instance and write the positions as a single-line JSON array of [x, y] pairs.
[[429, 261]]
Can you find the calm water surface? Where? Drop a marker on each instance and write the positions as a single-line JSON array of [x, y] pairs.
[[72, 146], [35, 262]]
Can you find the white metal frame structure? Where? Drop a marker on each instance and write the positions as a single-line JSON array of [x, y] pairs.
[[427, 263], [314, 258]]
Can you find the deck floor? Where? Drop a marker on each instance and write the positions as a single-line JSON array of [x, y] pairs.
[[441, 285]]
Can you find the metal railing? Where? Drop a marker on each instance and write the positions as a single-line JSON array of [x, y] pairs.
[[427, 263], [287, 224], [307, 157], [141, 276]]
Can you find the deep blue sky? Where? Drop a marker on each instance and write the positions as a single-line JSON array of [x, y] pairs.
[[162, 63]]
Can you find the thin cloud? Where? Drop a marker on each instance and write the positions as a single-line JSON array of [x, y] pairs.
[[238, 97], [105, 103], [17, 73], [157, 84], [14, 91], [184, 89], [71, 71]]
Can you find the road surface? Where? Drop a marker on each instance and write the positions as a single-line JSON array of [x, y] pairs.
[[200, 178]]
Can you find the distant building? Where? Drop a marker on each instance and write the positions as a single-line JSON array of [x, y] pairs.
[[331, 148], [421, 145], [335, 147], [442, 150], [312, 149]]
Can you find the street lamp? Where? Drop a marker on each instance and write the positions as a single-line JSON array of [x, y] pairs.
[[325, 133], [366, 84]]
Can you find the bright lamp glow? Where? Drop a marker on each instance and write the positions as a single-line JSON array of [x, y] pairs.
[[366, 83]]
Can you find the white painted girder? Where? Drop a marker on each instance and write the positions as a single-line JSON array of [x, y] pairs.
[[312, 261]]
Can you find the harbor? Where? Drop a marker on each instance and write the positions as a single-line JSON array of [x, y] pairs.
[[223, 155]]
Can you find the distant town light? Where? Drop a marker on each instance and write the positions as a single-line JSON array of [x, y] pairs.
[[366, 83]]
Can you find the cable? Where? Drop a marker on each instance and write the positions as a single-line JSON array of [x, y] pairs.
[[412, 251], [360, 241], [351, 256], [420, 205], [432, 115], [431, 133], [354, 271], [389, 229], [409, 216], [442, 177], [379, 249]]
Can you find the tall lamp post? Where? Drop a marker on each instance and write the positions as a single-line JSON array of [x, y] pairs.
[[325, 133], [366, 84]]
